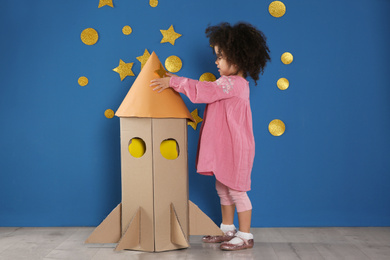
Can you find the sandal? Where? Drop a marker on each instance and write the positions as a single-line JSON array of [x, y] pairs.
[[218, 239], [233, 247]]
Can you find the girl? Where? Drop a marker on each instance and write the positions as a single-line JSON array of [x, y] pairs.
[[226, 144]]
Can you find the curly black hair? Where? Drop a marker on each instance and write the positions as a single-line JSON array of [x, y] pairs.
[[242, 45]]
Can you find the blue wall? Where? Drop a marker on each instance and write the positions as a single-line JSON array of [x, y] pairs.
[[59, 154]]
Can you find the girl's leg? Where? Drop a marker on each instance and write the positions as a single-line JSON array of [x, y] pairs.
[[228, 214], [243, 238], [244, 209], [244, 220], [227, 204], [227, 208]]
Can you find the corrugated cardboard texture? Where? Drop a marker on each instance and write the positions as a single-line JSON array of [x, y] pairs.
[[142, 101], [170, 181], [109, 231], [177, 234], [200, 223], [152, 182], [131, 237], [137, 179]]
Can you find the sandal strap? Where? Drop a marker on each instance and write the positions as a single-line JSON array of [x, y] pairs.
[[244, 236], [245, 242], [230, 233]]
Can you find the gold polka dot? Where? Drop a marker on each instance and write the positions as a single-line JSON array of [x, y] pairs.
[[83, 81], [207, 77], [109, 113], [276, 127], [127, 30], [277, 9], [283, 83], [173, 64], [153, 3], [287, 58], [89, 36]]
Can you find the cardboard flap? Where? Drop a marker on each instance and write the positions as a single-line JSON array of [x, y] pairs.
[[130, 239], [177, 235], [109, 231], [200, 223]]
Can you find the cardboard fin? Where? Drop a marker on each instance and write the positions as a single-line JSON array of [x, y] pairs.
[[200, 223], [131, 237], [109, 231], [177, 235]]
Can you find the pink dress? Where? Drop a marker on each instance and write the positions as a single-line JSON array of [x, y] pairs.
[[226, 145]]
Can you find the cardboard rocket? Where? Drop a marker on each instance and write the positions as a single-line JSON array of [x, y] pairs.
[[155, 213]]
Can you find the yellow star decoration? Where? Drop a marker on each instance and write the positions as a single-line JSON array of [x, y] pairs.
[[105, 2], [144, 58], [169, 35], [161, 71], [124, 69], [197, 119]]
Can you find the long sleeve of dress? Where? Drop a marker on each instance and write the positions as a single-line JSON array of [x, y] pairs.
[[204, 91]]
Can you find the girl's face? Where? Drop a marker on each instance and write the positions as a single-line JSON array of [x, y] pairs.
[[224, 67]]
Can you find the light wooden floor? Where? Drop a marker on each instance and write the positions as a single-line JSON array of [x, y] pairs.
[[270, 243]]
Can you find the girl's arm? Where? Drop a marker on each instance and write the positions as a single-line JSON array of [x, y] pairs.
[[161, 84], [198, 91]]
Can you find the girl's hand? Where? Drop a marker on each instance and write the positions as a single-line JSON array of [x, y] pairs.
[[162, 83]]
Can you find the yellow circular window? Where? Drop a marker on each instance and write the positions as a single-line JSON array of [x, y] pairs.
[[137, 147], [169, 149]]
